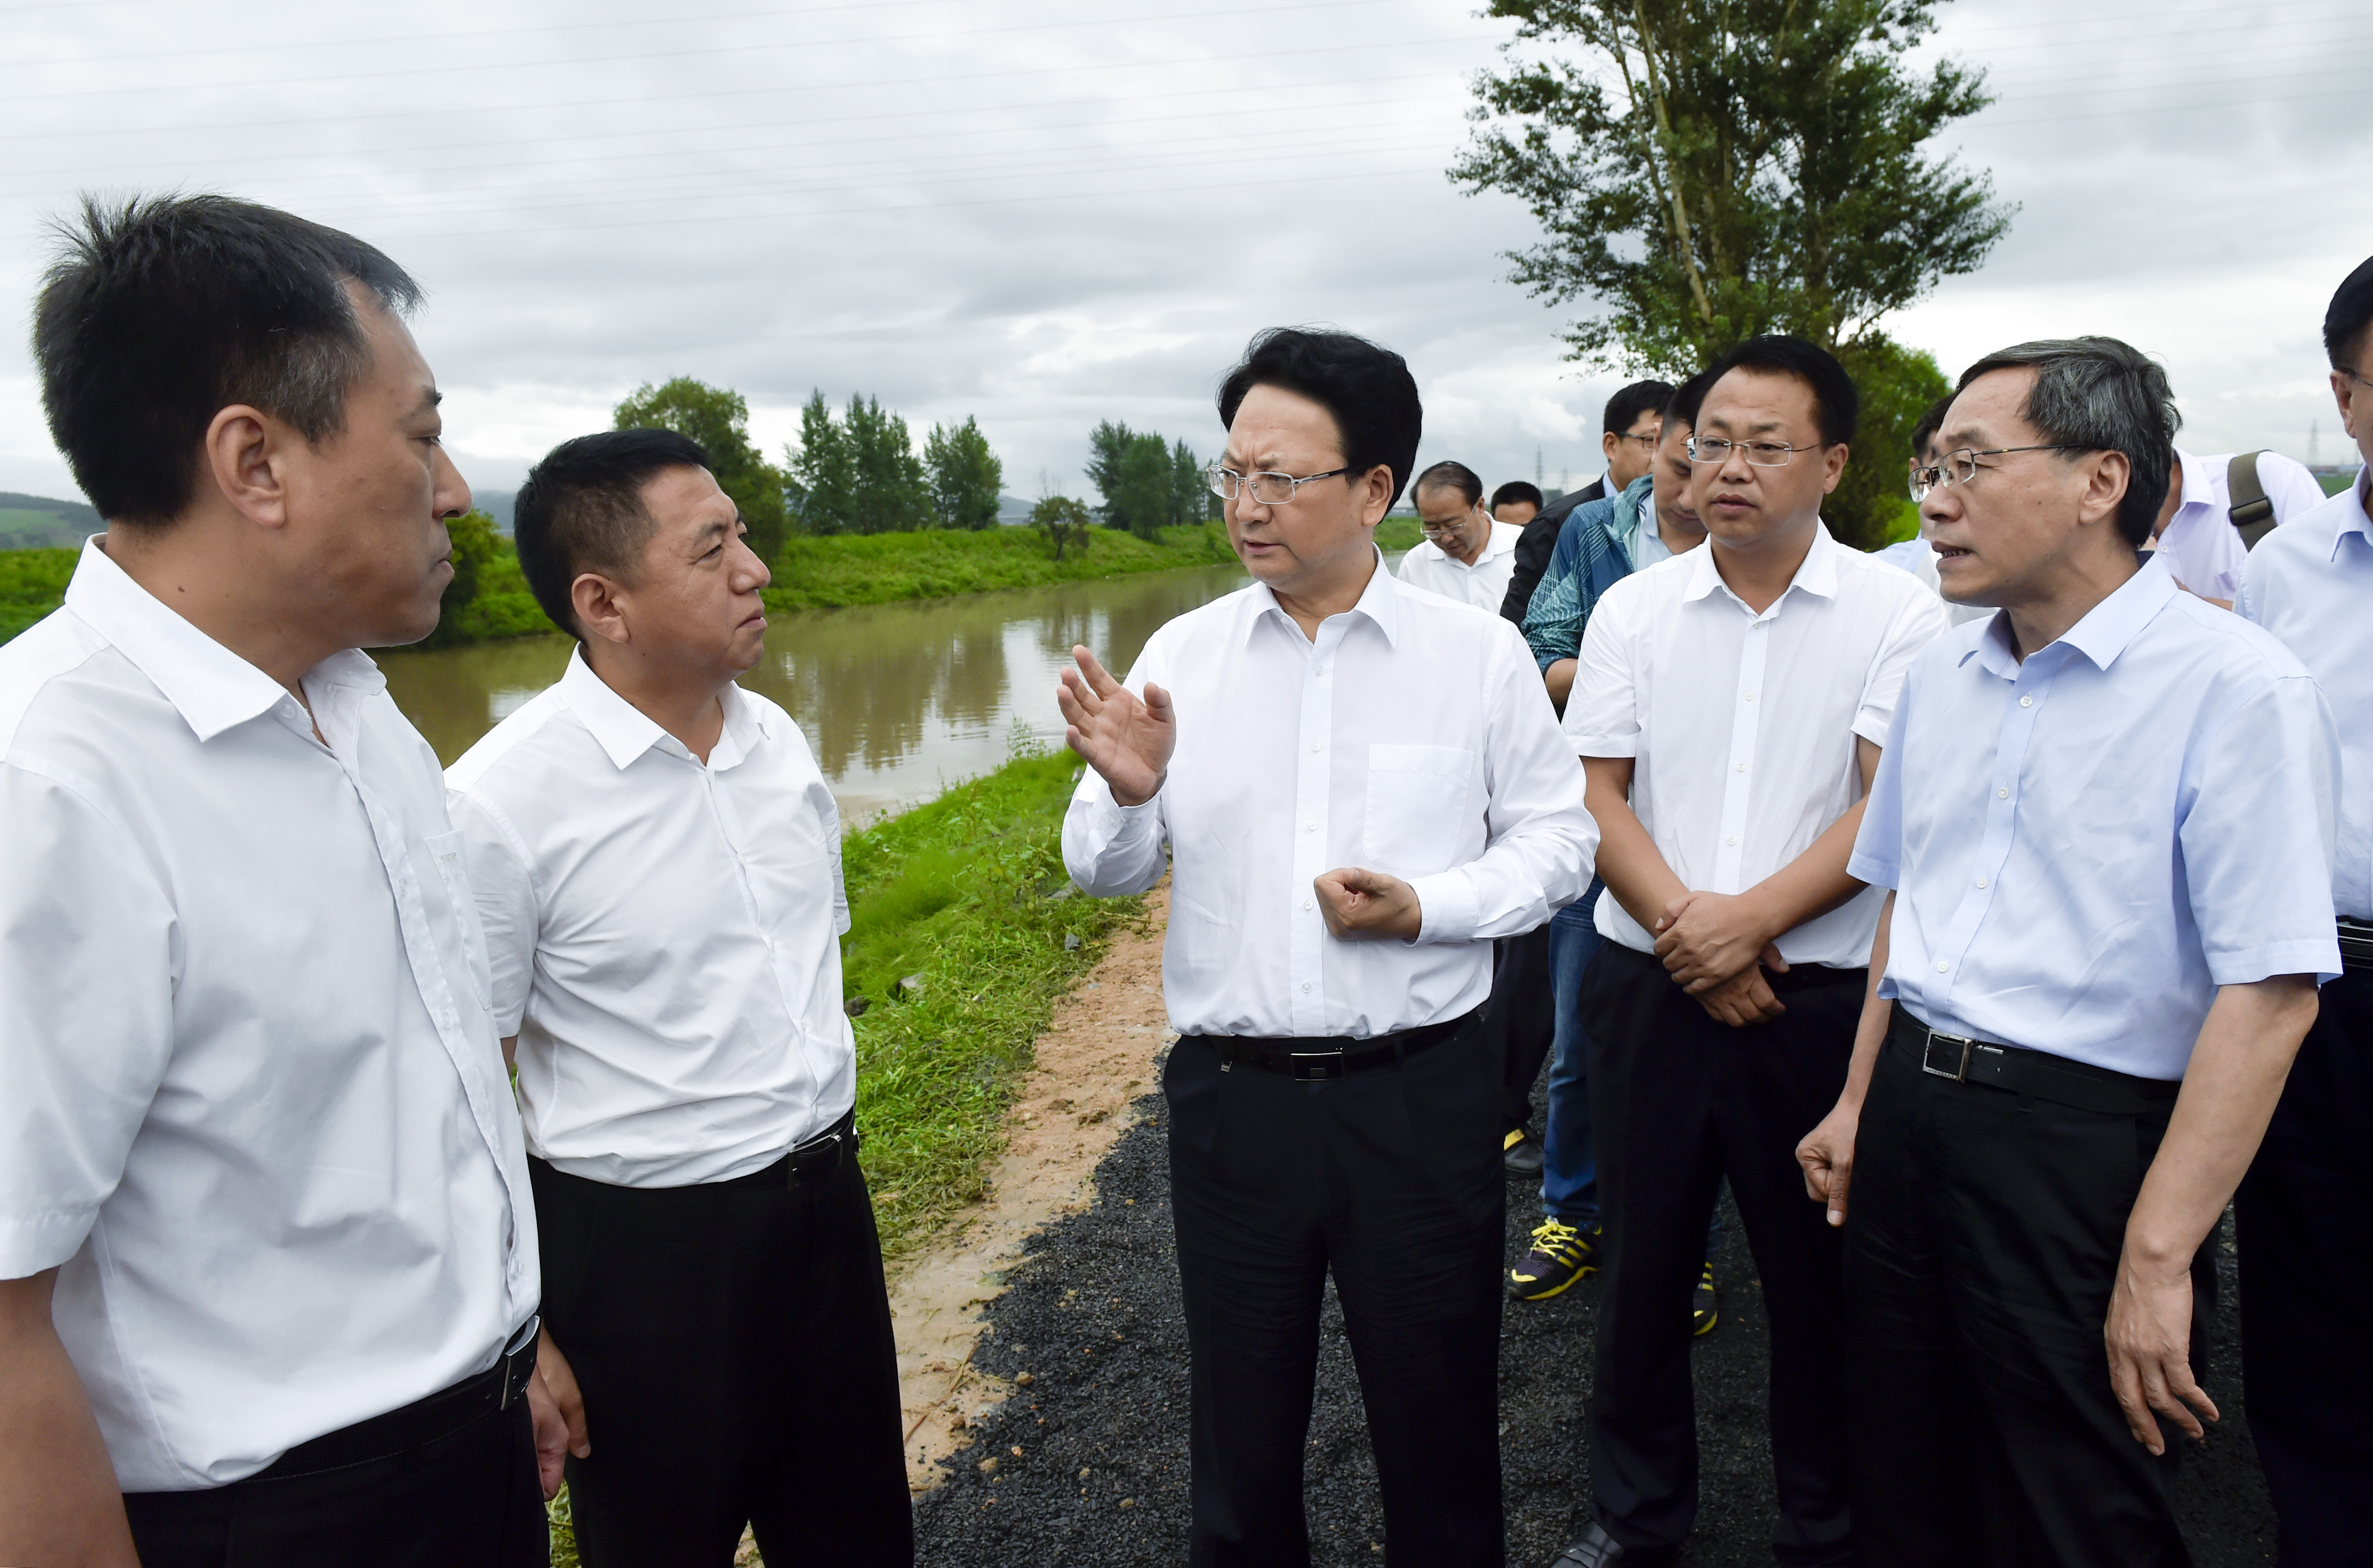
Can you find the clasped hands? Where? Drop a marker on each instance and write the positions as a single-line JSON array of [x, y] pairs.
[[1712, 943]]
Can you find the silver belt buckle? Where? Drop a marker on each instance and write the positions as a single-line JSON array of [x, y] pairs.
[[1957, 1052], [1316, 1066], [519, 1363]]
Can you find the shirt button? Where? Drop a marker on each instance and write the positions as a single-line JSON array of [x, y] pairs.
[[2027, 702], [1310, 827], [1750, 696], [1305, 985], [1942, 966], [1981, 881], [1314, 745], [1308, 905], [2001, 795], [1742, 767]]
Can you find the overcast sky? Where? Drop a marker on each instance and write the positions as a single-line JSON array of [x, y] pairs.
[[1050, 212]]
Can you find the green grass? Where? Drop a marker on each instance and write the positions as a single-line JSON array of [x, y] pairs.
[[32, 583], [2334, 483], [852, 569]]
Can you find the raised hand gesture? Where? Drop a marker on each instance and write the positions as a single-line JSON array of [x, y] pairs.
[[1126, 739]]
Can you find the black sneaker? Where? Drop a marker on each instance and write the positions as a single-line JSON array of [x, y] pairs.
[[1705, 1304], [1522, 1152], [1562, 1254]]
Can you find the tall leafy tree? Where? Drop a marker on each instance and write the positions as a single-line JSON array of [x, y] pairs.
[[893, 495], [1147, 483], [718, 418], [1106, 444], [966, 477], [1064, 521], [1190, 495], [822, 472]]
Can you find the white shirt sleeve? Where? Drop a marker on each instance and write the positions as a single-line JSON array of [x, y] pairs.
[[1110, 849], [1602, 712], [87, 978], [2288, 485], [2258, 837], [1920, 622], [505, 888]]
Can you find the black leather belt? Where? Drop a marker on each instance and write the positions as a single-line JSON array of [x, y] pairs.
[[2355, 945], [2035, 1074], [1312, 1059], [818, 1156], [421, 1423]]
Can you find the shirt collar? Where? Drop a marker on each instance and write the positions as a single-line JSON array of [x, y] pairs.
[[624, 732], [1630, 510], [2104, 633], [1817, 574], [1379, 601], [212, 688], [2199, 482], [2354, 519]]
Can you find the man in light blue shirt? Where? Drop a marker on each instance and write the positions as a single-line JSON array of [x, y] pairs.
[[2305, 1224], [2107, 815]]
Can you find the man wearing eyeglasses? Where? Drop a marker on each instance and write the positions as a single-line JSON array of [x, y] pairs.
[[1467, 553], [1358, 786], [1728, 712], [1632, 418], [2106, 817], [2304, 1235]]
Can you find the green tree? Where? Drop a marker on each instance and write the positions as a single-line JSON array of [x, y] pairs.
[[1191, 500], [892, 493], [965, 475], [1870, 506], [822, 472], [1143, 479], [1064, 521], [1107, 445], [718, 418]]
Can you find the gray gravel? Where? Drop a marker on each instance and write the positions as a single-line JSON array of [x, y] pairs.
[[1093, 1318]]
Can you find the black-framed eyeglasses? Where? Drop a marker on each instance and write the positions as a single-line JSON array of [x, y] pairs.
[[1762, 454], [1959, 468], [1649, 440], [1268, 487]]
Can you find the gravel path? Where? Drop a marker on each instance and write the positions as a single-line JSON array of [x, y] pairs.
[[1086, 1464]]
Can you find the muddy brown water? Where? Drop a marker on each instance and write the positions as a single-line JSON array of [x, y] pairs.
[[899, 701]]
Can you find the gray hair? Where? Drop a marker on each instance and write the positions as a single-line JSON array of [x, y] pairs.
[[2100, 395]]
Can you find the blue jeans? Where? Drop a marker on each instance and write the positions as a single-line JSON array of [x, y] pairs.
[[1568, 1156]]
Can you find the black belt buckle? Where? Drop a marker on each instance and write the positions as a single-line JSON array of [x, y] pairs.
[[1316, 1066], [1956, 1054], [519, 1366], [818, 1156]]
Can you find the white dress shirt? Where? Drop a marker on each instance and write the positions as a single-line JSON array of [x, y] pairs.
[[1483, 585], [2311, 583], [2201, 543], [665, 935], [1918, 557], [251, 1098], [1742, 725], [2084, 846], [1412, 738]]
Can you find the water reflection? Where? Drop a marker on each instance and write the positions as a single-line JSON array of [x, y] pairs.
[[898, 700]]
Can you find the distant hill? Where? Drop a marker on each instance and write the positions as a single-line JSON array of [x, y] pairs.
[[495, 503], [30, 522]]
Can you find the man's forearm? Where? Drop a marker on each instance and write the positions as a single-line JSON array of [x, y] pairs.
[[59, 1506], [1877, 1012], [1627, 858], [1813, 883]]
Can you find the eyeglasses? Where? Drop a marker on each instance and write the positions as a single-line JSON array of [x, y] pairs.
[[1648, 440], [1959, 468], [1762, 454], [2350, 371], [1268, 487]]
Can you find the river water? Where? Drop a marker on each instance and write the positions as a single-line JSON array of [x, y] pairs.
[[899, 701]]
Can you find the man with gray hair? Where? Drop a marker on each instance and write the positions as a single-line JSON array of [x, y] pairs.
[[2106, 816]]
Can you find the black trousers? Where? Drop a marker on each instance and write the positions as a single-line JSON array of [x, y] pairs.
[[1524, 1016], [1982, 1237], [2305, 1226], [470, 1499], [733, 1342], [1678, 1102], [1392, 1180]]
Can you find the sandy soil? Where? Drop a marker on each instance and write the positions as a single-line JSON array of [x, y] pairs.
[[1095, 1058]]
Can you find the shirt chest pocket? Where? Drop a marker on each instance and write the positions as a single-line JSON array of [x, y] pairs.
[[1418, 820], [453, 880]]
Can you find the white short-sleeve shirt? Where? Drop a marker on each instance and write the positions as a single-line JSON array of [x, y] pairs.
[[2200, 541], [1483, 585]]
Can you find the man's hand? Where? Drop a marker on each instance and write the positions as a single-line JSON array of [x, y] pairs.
[[1359, 903], [2149, 1340], [559, 1411], [1827, 1155], [1706, 938], [1126, 739], [1745, 998]]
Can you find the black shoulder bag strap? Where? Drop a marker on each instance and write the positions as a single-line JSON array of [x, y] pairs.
[[2253, 512]]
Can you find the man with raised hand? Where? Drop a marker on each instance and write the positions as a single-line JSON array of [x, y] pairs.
[[1728, 710], [2106, 815], [1358, 787], [657, 858], [2305, 1214], [267, 1254]]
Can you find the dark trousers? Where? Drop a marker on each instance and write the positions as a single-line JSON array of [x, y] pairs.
[[1392, 1180], [469, 1499], [1679, 1102], [2305, 1218], [1982, 1237], [1524, 1016], [733, 1342]]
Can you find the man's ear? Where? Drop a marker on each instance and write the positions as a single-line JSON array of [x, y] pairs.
[[246, 456], [1379, 498], [600, 605], [2106, 479], [1833, 466]]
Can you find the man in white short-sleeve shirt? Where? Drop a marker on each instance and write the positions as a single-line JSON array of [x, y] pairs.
[[1728, 709], [268, 1266], [1467, 553], [2194, 529]]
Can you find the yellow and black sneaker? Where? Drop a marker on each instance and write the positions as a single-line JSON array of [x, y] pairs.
[[1705, 1304], [1522, 1152], [1562, 1254]]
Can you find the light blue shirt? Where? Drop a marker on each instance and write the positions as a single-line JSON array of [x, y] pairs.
[[2083, 847], [2310, 582]]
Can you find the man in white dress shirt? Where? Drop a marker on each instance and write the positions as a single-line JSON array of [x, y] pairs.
[[657, 859], [2194, 529], [2106, 816], [2303, 1222], [267, 1254], [1728, 710], [1467, 553], [1358, 787]]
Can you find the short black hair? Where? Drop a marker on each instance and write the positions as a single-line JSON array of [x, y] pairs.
[[2100, 395], [1624, 408], [2346, 317], [1518, 490], [1836, 404], [1930, 422], [581, 510], [1455, 476], [1365, 387], [158, 312], [1686, 399]]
